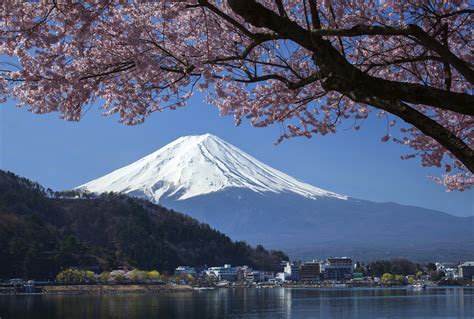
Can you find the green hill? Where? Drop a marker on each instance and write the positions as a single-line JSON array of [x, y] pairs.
[[42, 231]]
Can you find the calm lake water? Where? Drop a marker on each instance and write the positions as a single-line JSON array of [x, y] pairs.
[[250, 303]]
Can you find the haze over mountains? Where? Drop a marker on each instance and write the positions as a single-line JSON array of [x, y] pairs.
[[219, 184]]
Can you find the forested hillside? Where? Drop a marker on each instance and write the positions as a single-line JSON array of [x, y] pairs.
[[42, 231]]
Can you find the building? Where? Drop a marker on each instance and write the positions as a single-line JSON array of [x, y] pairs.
[[223, 273], [310, 271], [450, 270], [185, 270], [292, 271], [281, 277], [439, 267], [466, 270], [243, 272], [338, 268], [256, 276], [451, 273], [268, 276]]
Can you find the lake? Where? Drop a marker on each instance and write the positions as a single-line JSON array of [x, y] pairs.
[[249, 303]]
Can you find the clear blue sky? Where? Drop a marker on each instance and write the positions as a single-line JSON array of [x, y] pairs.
[[61, 155]]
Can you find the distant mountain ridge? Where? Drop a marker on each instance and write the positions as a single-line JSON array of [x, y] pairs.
[[220, 184]]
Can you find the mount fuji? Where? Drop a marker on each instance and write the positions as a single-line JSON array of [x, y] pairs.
[[219, 184]]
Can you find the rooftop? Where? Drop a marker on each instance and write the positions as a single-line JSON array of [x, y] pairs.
[[467, 263]]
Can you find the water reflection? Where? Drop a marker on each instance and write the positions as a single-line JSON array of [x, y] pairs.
[[250, 303]]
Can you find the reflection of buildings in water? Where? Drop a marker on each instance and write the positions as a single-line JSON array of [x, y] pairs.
[[245, 300], [220, 301], [451, 302], [461, 300], [214, 303], [336, 303], [319, 303], [241, 300], [454, 301], [285, 300]]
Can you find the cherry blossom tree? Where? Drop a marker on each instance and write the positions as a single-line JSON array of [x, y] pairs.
[[310, 65]]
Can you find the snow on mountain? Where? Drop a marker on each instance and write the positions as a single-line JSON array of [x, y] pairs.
[[196, 165]]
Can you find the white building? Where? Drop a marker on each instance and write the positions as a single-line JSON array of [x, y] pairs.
[[281, 276], [227, 272], [449, 272], [293, 271]]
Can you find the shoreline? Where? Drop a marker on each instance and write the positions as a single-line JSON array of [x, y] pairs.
[[101, 290], [97, 290]]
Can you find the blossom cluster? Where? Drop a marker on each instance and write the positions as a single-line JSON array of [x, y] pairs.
[[135, 58]]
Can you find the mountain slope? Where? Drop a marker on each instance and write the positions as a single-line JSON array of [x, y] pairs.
[[196, 165], [219, 184], [41, 233], [319, 228]]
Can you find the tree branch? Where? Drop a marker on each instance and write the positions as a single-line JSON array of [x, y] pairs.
[[425, 124], [226, 17], [411, 30], [333, 65], [313, 8], [344, 77], [281, 8], [415, 93]]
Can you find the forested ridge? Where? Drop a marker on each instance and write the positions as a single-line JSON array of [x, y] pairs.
[[42, 232]]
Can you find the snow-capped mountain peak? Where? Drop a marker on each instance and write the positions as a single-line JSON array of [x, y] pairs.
[[197, 165]]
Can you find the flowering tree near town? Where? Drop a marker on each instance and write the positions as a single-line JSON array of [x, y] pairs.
[[309, 64]]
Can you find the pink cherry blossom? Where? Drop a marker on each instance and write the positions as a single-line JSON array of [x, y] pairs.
[[311, 66]]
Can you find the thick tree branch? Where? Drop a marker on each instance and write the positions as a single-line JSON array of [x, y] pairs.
[[313, 8], [446, 67], [425, 124], [281, 8], [411, 30], [333, 64], [414, 93], [349, 80]]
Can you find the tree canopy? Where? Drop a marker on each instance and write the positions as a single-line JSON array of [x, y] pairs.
[[310, 65]]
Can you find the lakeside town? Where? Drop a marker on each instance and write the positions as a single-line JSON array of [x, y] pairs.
[[333, 272]]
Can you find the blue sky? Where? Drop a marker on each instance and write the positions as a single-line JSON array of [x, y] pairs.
[[62, 155]]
